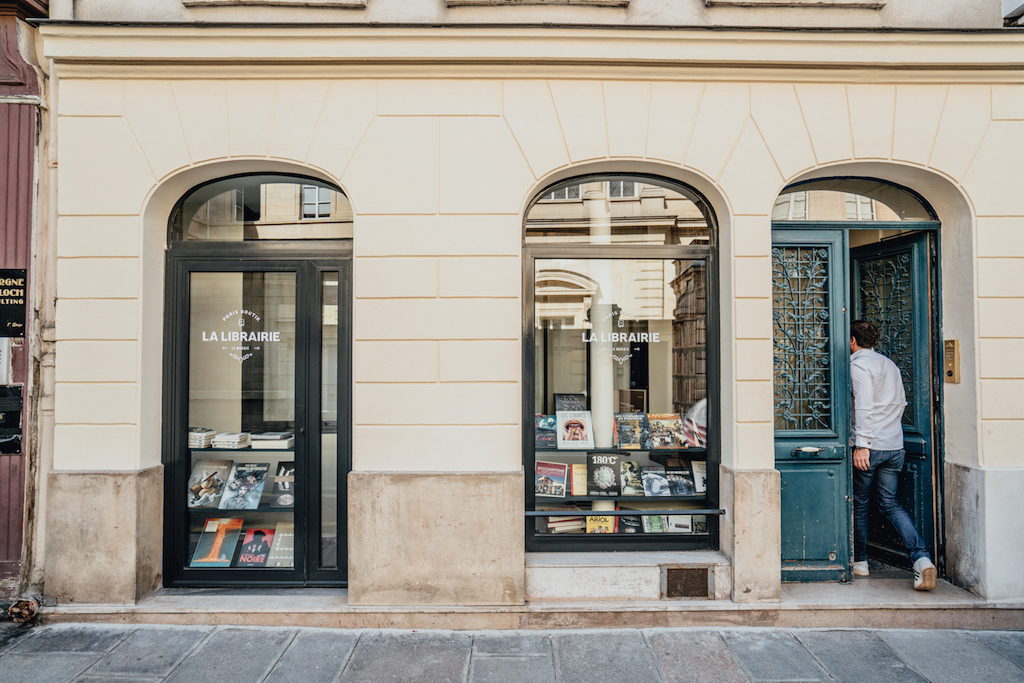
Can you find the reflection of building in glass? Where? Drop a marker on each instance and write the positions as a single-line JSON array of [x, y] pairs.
[[689, 336]]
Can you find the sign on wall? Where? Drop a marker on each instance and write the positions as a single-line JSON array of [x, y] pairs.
[[13, 295]]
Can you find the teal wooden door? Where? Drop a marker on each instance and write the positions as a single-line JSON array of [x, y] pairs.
[[891, 283], [811, 402]]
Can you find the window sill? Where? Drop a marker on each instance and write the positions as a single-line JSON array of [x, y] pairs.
[[809, 4], [325, 4]]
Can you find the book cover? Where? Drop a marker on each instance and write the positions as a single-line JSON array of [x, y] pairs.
[[700, 524], [632, 431], [679, 524], [601, 524], [654, 524], [575, 429], [680, 480], [700, 476], [284, 486], [550, 479], [282, 549], [655, 481], [206, 483], [629, 477], [570, 402], [245, 486], [666, 430], [255, 548], [544, 432], [630, 524], [579, 479], [217, 542], [603, 474]]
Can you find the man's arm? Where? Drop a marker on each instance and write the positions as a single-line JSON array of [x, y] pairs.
[[863, 425]]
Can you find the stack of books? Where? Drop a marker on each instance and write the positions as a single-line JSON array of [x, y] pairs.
[[232, 440], [275, 440], [200, 437]]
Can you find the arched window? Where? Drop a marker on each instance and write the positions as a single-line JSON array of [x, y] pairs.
[[620, 366]]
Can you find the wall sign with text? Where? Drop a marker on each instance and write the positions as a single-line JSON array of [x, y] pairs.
[[13, 297]]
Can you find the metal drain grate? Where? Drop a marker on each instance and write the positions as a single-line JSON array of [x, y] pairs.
[[687, 582]]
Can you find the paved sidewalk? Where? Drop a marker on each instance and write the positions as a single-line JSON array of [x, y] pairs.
[[197, 654]]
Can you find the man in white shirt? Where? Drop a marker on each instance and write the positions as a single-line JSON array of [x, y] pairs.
[[878, 403]]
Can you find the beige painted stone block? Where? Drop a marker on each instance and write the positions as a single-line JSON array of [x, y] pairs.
[[753, 318], [626, 107], [90, 97], [1002, 399], [96, 403], [753, 277], [580, 107], [101, 169], [1001, 317], [1008, 102], [965, 118], [755, 445], [438, 319], [776, 110], [436, 539], [439, 404], [97, 236], [98, 278], [752, 236], [439, 97], [480, 361], [753, 359], [385, 278], [398, 152], [724, 109], [918, 109], [530, 113], [872, 111], [78, 447], [439, 236], [757, 535], [97, 319], [348, 110], [104, 536], [482, 168], [90, 361], [447, 448], [297, 109], [250, 107], [1001, 440], [1001, 358], [202, 106], [1000, 236], [673, 113], [751, 178], [584, 583], [753, 401], [396, 361], [827, 115], [472, 277], [153, 116], [993, 180], [1000, 277]]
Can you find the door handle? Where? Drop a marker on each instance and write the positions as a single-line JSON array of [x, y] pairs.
[[808, 450]]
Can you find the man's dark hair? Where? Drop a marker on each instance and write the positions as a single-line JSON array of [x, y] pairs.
[[866, 334]]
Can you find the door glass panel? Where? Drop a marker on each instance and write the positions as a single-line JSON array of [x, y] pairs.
[[241, 418], [329, 422], [801, 333]]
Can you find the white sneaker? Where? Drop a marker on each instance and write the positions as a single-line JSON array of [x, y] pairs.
[[861, 568], [924, 575]]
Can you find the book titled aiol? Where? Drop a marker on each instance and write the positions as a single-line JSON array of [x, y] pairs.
[[550, 482]]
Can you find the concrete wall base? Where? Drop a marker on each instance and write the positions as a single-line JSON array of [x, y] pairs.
[[752, 532]]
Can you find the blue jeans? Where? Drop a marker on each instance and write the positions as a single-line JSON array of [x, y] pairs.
[[881, 480]]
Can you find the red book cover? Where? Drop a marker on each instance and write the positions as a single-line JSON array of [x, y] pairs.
[[255, 548]]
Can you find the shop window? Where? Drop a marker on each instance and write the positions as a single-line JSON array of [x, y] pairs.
[[621, 368]]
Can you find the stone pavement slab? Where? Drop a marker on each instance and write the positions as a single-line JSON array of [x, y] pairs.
[[600, 656], [430, 657], [234, 654], [510, 669], [1009, 644], [37, 667], [84, 638], [11, 635], [505, 643], [770, 656], [115, 679], [857, 656], [951, 656], [314, 657], [149, 652], [689, 656]]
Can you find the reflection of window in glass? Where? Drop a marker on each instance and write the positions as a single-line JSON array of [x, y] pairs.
[[859, 208], [791, 207], [622, 189], [239, 205], [570, 192], [316, 202]]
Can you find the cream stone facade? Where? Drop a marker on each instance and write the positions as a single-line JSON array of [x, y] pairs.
[[440, 138]]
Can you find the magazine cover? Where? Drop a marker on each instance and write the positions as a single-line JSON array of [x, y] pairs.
[[679, 524], [217, 542], [206, 484], [700, 524], [601, 524], [570, 402], [680, 480], [550, 479], [255, 548], [629, 475], [282, 549], [700, 476], [284, 485], [544, 432], [602, 474], [654, 524], [575, 429], [245, 486], [655, 481], [666, 430], [629, 524], [631, 431]]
